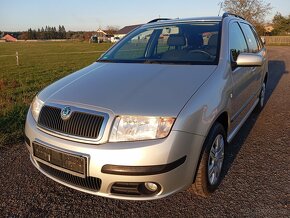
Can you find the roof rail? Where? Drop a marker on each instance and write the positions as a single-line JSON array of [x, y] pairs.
[[158, 19], [227, 14]]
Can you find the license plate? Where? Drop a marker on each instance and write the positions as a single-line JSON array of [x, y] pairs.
[[60, 159]]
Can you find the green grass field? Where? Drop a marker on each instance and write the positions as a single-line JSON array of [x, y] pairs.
[[40, 63]]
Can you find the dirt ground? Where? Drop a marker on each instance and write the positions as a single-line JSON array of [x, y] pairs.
[[256, 182]]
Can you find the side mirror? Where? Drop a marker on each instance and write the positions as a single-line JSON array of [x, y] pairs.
[[249, 60]]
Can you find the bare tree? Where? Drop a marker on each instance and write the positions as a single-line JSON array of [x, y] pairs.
[[111, 30], [252, 10]]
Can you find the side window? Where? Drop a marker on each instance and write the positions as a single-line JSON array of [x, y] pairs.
[[260, 43], [251, 39], [237, 41]]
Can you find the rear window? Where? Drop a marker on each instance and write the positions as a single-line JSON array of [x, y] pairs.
[[180, 43]]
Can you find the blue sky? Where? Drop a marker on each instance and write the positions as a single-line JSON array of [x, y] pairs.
[[19, 15]]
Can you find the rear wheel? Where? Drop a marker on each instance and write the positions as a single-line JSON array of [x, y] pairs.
[[210, 167]]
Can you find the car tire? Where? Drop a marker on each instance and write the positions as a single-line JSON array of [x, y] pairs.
[[208, 176], [262, 95]]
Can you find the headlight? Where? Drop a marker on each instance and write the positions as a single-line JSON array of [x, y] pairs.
[[134, 128], [36, 107]]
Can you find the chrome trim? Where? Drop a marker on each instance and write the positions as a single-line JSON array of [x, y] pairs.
[[69, 152], [72, 137]]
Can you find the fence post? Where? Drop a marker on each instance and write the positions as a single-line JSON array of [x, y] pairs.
[[17, 59]]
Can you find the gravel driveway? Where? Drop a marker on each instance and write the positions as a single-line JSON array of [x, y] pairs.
[[257, 181]]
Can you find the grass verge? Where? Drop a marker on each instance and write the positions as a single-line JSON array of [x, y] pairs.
[[40, 64]]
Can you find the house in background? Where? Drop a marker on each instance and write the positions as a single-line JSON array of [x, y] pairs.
[[125, 30], [100, 36], [9, 38]]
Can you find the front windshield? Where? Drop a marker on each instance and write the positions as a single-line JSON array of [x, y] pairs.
[[180, 43]]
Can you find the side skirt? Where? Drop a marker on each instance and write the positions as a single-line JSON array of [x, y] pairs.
[[235, 131]]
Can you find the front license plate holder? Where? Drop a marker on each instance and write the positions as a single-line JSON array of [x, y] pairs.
[[60, 160]]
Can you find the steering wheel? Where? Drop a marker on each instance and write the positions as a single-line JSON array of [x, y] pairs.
[[202, 52]]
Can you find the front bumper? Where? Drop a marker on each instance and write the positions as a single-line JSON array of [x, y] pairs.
[[129, 162]]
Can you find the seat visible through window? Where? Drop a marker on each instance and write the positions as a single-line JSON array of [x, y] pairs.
[[177, 42]]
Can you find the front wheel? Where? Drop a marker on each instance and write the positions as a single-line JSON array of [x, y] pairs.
[[262, 95], [210, 168]]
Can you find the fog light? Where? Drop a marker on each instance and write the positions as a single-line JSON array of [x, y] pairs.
[[151, 186]]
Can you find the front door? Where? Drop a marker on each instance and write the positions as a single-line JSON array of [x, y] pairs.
[[244, 78]]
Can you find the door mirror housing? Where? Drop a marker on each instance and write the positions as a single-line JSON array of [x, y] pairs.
[[249, 60]]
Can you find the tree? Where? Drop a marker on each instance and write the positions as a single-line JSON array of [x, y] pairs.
[[111, 30], [23, 36], [45, 33], [253, 11], [29, 34], [281, 24], [61, 32]]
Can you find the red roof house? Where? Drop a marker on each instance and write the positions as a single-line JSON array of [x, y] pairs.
[[9, 38]]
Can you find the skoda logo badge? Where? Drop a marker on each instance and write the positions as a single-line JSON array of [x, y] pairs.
[[65, 113]]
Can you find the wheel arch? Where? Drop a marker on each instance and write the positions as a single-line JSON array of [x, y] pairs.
[[224, 120]]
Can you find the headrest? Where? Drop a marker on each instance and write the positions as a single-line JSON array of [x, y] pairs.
[[213, 40], [176, 40]]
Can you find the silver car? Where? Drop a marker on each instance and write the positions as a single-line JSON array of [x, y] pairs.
[[155, 114]]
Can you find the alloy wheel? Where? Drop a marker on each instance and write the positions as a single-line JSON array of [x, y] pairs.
[[215, 160]]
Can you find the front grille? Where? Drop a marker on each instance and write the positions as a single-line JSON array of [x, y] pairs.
[[88, 183], [79, 124]]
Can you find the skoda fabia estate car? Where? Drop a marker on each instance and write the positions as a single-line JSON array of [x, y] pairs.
[[154, 114]]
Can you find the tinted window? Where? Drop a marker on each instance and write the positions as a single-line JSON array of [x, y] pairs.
[[193, 43], [260, 43], [250, 37], [237, 41]]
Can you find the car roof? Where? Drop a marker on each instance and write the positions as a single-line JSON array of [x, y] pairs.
[[161, 21]]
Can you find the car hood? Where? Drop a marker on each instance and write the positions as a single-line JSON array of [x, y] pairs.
[[135, 89]]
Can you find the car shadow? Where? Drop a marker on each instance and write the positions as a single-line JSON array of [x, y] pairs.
[[276, 69]]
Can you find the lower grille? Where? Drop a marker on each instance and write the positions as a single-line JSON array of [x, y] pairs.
[[88, 183], [132, 188], [137, 189]]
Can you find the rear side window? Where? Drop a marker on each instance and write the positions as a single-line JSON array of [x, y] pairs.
[[237, 41], [250, 37]]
